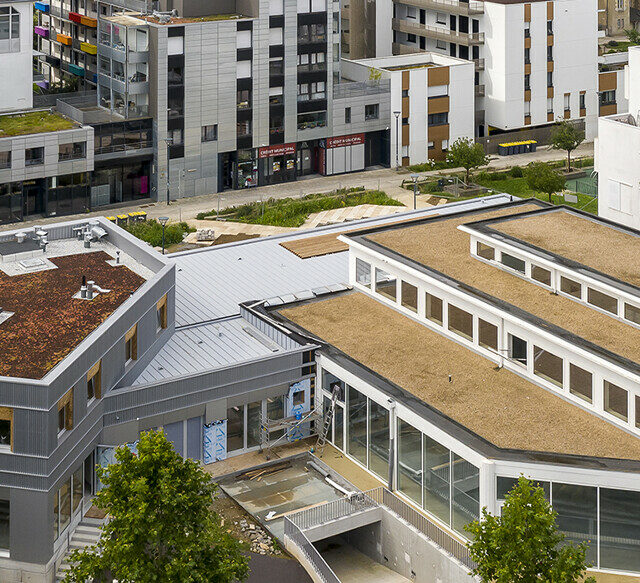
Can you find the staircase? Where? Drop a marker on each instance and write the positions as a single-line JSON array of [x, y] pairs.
[[86, 533]]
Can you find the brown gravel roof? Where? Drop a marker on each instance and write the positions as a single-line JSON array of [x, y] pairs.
[[48, 323], [586, 241], [441, 246], [498, 405]]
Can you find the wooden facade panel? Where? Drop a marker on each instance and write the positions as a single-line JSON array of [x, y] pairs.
[[405, 107], [438, 133], [405, 80], [608, 81], [609, 109], [549, 10], [550, 67], [438, 104], [527, 95], [438, 76], [405, 134], [550, 92], [527, 12]]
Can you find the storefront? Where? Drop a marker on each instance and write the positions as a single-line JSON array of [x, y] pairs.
[[238, 170], [342, 154], [277, 164]]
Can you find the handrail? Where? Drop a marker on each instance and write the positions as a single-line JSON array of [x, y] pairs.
[[320, 566], [334, 510], [442, 32]]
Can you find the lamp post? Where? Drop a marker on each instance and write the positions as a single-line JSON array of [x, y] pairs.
[[415, 177], [397, 114], [163, 221]]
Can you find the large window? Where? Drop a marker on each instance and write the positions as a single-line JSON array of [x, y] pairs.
[[9, 29], [504, 486], [74, 151], [433, 308], [410, 461], [409, 298], [378, 440], [363, 272], [437, 479], [466, 493], [487, 335], [357, 425], [602, 301], [309, 121], [460, 322], [619, 530], [5, 524], [616, 400], [386, 284], [577, 515], [580, 383], [254, 411], [34, 156], [547, 365], [235, 428]]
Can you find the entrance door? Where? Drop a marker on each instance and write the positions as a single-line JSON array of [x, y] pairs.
[[33, 197], [305, 160]]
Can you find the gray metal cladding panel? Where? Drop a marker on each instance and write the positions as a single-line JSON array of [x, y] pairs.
[[175, 435], [194, 437], [269, 330]]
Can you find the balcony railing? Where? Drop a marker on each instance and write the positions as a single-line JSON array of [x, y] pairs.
[[400, 49], [479, 90], [330, 511], [451, 6], [353, 89], [438, 33], [479, 63]]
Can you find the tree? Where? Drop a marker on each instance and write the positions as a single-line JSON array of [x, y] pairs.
[[543, 178], [161, 527], [566, 136], [523, 544], [465, 153], [633, 35]]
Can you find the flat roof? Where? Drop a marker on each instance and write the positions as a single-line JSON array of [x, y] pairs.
[[45, 321], [609, 249], [498, 405], [411, 61], [440, 246], [33, 122]]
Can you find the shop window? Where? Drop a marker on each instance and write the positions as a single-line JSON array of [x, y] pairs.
[[409, 297], [210, 133], [504, 486], [512, 262], [518, 349], [436, 479], [386, 284], [5, 518], [602, 301], [581, 383], [433, 308], [235, 428], [65, 412], [357, 425], [161, 314], [363, 272], [547, 366], [487, 335], [131, 344], [570, 287], [94, 382], [577, 515], [541, 275], [378, 440], [632, 313], [616, 400], [460, 322], [485, 251], [410, 461], [6, 428], [619, 530], [466, 493]]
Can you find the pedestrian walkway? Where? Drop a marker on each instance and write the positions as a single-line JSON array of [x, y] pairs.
[[342, 215]]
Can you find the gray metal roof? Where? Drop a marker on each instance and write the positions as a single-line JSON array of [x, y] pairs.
[[211, 282], [205, 347]]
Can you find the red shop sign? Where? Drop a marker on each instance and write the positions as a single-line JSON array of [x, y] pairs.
[[278, 150], [340, 141]]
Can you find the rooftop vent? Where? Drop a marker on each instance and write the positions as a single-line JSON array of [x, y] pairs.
[[89, 290]]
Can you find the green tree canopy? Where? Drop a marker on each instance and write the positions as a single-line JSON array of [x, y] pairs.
[[467, 154], [566, 136], [523, 544], [161, 527], [543, 178]]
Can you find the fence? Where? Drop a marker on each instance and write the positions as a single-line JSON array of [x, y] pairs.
[[297, 537], [50, 99], [431, 530], [333, 510]]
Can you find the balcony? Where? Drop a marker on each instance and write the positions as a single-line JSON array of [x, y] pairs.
[[353, 90], [479, 90], [41, 31], [89, 48], [64, 39], [400, 49], [41, 6], [438, 33], [479, 63], [76, 70], [75, 17], [88, 21], [449, 6]]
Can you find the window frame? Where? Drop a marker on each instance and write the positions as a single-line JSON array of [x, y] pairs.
[[95, 375], [65, 406], [6, 414], [131, 338]]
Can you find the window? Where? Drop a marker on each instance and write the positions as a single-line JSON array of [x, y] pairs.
[[550, 79], [175, 75], [363, 272], [487, 335], [466, 493], [243, 99], [243, 128], [517, 349], [577, 509], [65, 412], [607, 97], [583, 103], [547, 365], [378, 440], [210, 133], [409, 297], [567, 101], [602, 301], [6, 427], [580, 383], [485, 251], [5, 160], [619, 196], [433, 308], [94, 382], [505, 485], [527, 82], [131, 344], [371, 111], [5, 524], [438, 119], [410, 461], [74, 151], [550, 53], [276, 66], [619, 529], [616, 400], [411, 12], [175, 106], [161, 314], [405, 121], [357, 425], [235, 428], [437, 479], [632, 313], [347, 115], [412, 38], [386, 284], [308, 121], [460, 322], [441, 18], [34, 156], [405, 93], [9, 29], [549, 26], [527, 30], [175, 137], [541, 275], [512, 262], [441, 45], [527, 109], [570, 287], [550, 105], [527, 56]]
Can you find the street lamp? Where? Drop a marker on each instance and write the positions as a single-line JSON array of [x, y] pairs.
[[163, 221], [397, 114], [415, 177]]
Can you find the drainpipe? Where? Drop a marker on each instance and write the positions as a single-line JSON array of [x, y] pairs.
[[392, 444]]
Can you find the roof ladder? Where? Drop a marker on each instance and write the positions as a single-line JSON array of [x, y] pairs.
[[322, 438]]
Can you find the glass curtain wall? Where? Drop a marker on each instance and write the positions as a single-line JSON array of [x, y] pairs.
[[378, 440], [357, 426], [410, 461]]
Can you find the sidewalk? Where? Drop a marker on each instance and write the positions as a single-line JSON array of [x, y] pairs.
[[385, 179]]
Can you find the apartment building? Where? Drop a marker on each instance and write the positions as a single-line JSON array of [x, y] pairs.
[[614, 17], [16, 54], [432, 102], [617, 153]]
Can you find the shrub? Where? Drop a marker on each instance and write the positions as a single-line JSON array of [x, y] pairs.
[[516, 172], [151, 232], [612, 43], [496, 176]]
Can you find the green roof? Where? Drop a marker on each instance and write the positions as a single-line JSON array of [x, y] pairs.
[[33, 122]]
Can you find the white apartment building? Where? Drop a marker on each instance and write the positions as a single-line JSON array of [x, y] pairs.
[[16, 54], [536, 62], [432, 102], [617, 154]]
